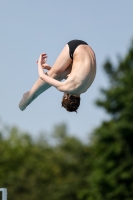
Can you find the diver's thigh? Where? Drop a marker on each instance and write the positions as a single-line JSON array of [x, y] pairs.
[[62, 62], [65, 74]]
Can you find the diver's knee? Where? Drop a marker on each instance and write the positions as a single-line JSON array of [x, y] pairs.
[[56, 74]]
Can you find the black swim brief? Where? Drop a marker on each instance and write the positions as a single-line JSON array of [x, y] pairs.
[[73, 44]]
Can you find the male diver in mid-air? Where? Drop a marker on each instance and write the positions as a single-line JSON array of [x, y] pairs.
[[76, 64]]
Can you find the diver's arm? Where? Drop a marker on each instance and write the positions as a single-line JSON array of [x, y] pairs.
[[59, 85], [53, 82]]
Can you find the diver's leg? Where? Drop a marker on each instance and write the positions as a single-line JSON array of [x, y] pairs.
[[39, 87], [61, 68]]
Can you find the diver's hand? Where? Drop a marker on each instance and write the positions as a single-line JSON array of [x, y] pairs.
[[42, 61], [46, 66]]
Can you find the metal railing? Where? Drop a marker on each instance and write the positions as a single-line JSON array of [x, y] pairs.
[[4, 193]]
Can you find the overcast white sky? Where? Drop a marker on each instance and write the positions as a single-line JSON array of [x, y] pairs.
[[29, 28]]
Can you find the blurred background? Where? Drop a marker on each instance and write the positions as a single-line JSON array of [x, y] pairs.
[[47, 153]]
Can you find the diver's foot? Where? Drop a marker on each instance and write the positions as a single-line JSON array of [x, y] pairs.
[[25, 101]]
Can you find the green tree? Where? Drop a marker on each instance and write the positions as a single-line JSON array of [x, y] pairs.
[[112, 149], [37, 170]]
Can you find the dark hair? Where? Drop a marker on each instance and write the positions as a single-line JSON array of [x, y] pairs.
[[71, 103]]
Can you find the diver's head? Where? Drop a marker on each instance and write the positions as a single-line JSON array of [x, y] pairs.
[[71, 102]]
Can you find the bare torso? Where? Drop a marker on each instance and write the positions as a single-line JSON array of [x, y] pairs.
[[83, 70]]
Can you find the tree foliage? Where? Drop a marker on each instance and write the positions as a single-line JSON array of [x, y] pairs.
[[37, 170], [112, 149], [119, 97]]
